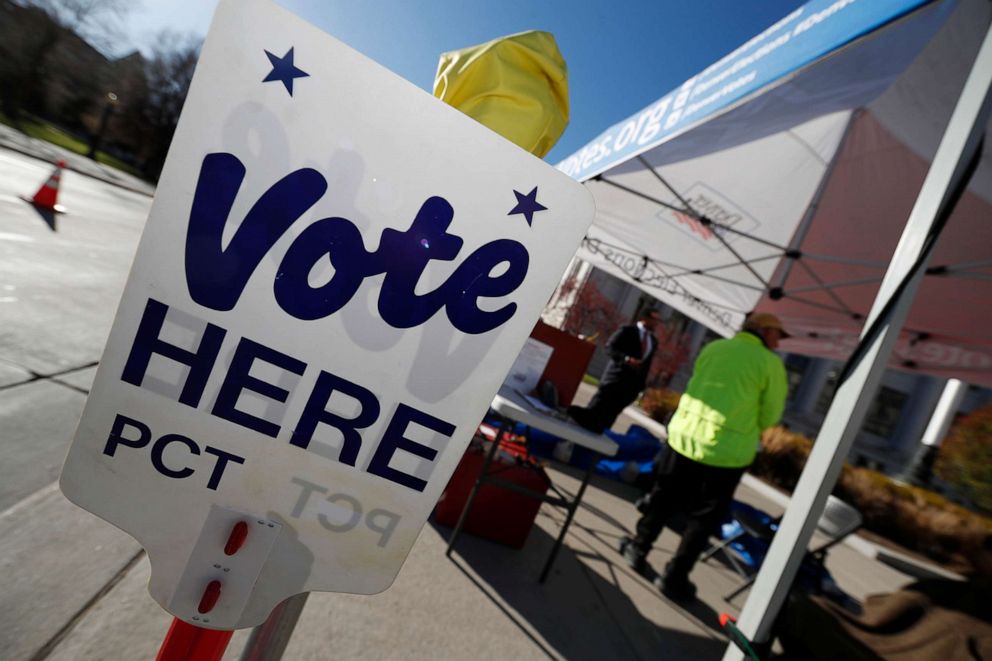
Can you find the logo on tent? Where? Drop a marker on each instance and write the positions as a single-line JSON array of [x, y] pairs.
[[709, 203]]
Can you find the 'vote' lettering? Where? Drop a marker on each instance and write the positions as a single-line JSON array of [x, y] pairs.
[[217, 276]]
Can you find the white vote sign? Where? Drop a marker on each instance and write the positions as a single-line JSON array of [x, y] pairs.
[[336, 274]]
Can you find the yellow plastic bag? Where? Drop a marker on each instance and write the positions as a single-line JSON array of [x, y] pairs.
[[515, 85]]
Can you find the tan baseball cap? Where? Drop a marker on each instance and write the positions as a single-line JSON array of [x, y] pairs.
[[766, 320]]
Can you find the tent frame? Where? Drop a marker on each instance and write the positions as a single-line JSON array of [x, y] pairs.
[[953, 164], [791, 255]]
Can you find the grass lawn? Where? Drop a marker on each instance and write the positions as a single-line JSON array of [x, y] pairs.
[[44, 131]]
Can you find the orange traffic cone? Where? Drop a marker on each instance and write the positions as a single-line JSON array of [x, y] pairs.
[[47, 195]]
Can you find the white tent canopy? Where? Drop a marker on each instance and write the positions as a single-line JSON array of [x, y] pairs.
[[780, 178], [867, 117]]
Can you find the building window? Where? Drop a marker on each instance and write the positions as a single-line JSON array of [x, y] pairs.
[[883, 414], [795, 368], [827, 393]]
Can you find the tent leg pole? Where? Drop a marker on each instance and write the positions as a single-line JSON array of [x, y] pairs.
[[919, 470], [944, 180]]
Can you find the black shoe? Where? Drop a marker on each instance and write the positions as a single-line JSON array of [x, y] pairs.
[[633, 556], [676, 589]]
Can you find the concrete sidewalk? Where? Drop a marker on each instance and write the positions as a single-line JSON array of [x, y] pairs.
[[74, 588]]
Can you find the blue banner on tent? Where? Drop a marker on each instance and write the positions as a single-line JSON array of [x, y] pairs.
[[809, 33]]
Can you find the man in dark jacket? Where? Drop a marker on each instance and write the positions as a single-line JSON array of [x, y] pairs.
[[631, 351]]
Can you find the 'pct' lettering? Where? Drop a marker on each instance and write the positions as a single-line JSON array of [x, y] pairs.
[[135, 434], [348, 508]]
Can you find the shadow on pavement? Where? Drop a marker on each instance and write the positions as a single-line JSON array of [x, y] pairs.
[[909, 566], [621, 490], [582, 610], [611, 538], [47, 215]]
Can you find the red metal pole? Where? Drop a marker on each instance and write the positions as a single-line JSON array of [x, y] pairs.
[[186, 642]]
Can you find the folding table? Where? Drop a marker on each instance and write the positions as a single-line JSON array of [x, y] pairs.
[[511, 406]]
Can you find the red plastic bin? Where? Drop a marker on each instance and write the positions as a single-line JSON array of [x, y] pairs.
[[497, 514]]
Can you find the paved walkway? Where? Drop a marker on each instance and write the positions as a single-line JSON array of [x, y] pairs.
[[74, 588]]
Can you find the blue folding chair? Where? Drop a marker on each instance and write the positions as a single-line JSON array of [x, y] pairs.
[[745, 547]]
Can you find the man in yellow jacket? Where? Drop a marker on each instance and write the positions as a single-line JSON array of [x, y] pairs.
[[737, 390]]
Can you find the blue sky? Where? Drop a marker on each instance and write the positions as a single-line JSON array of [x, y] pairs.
[[621, 55]]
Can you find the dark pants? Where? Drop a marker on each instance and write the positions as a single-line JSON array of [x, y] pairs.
[[608, 402], [702, 493]]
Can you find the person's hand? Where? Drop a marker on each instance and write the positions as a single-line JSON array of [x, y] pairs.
[[633, 362]]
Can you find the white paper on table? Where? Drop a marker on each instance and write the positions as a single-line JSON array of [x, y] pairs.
[[529, 366]]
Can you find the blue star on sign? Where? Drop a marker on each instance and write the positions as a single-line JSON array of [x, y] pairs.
[[283, 70], [527, 205]]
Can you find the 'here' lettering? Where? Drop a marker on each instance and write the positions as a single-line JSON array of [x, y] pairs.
[[238, 379]]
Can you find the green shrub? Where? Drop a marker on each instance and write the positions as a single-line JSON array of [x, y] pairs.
[[915, 518], [965, 459], [660, 403], [782, 457]]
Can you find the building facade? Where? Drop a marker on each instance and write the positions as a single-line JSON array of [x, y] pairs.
[[894, 424]]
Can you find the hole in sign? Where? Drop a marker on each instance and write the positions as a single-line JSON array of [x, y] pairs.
[[237, 538], [210, 596]]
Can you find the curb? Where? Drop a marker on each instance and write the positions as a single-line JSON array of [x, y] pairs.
[[644, 420], [899, 561], [68, 166]]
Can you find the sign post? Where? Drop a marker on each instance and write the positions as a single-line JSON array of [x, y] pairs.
[[186, 642], [336, 274]]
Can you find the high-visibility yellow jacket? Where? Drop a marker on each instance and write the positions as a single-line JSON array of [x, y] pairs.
[[737, 390]]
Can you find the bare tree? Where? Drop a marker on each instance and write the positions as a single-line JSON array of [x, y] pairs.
[[96, 21], [29, 34], [168, 73]]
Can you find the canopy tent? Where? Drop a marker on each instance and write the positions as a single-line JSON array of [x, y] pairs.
[[857, 196], [780, 178]]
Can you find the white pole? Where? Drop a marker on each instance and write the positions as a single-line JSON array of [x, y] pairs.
[[919, 471], [943, 415], [948, 171], [269, 639]]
